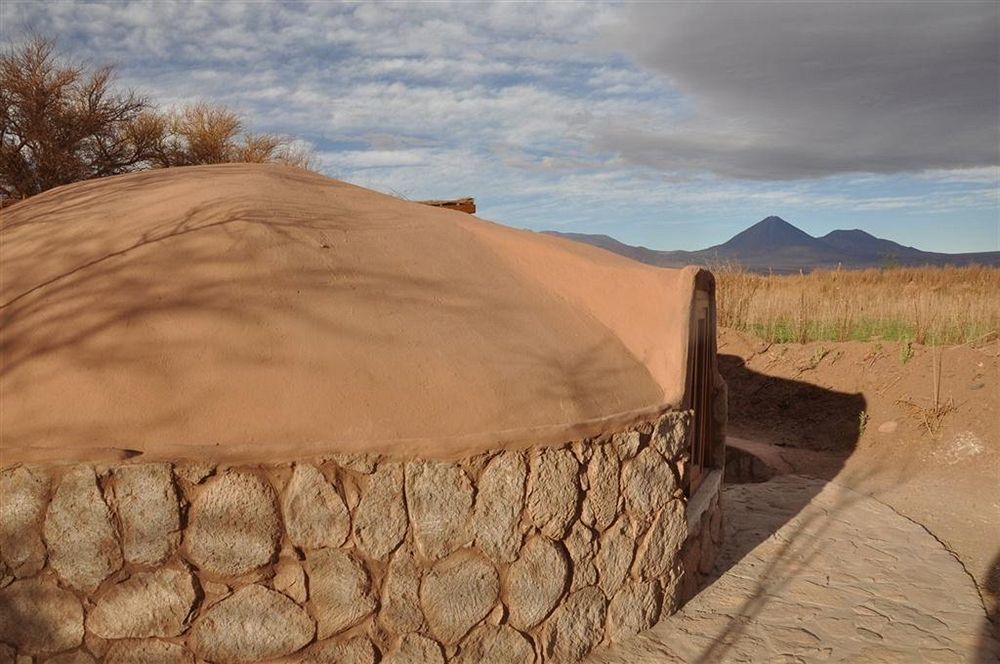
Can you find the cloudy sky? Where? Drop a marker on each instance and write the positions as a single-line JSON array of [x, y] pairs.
[[671, 125]]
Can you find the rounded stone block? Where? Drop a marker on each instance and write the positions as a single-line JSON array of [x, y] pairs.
[[400, 612], [359, 650], [147, 651], [577, 626], [315, 514], [670, 434], [340, 591], [234, 525], [534, 582], [457, 593], [290, 580], [75, 657], [627, 444], [553, 491], [415, 649], [604, 477], [363, 464], [380, 517], [581, 545], [145, 499], [495, 644], [648, 483], [499, 504], [25, 493], [193, 472], [614, 556], [147, 604], [83, 547], [439, 496], [40, 617], [635, 608], [252, 624], [660, 547]]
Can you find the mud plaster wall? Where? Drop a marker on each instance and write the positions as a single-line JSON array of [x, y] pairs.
[[513, 556]]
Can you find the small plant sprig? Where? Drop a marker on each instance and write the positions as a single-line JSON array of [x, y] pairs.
[[814, 360], [906, 351], [862, 422], [932, 417]]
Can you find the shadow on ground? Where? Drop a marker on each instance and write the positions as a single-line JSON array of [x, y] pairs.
[[824, 420], [989, 646], [760, 405]]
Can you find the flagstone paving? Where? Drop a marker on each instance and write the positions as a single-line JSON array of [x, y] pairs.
[[812, 571]]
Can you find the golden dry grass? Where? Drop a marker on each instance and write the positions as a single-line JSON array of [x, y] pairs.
[[928, 305]]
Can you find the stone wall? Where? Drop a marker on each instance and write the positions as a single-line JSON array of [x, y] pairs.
[[704, 525], [511, 556]]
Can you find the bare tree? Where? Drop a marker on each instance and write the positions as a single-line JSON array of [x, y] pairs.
[[60, 125]]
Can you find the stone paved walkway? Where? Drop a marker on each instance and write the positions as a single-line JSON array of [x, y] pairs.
[[815, 572]]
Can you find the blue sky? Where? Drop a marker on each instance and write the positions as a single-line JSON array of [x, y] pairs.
[[671, 125]]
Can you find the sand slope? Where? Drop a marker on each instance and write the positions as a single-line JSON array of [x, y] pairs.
[[264, 310]]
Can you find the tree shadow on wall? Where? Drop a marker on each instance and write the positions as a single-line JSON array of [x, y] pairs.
[[116, 301]]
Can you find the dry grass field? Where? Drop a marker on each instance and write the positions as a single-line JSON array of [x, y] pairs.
[[928, 305]]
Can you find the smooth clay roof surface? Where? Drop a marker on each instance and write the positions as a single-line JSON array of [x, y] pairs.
[[248, 311]]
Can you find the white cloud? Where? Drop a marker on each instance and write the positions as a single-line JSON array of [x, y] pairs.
[[524, 106], [359, 159]]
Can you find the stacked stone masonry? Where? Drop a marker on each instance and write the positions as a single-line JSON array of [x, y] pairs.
[[539, 555]]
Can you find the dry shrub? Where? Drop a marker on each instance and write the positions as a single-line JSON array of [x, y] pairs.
[[927, 305], [931, 417], [204, 133]]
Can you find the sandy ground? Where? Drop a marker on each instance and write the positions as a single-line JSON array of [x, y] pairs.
[[852, 412]]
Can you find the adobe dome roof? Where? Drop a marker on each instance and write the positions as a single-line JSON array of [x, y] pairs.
[[263, 311]]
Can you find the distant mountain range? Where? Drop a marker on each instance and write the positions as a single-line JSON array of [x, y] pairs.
[[773, 244]]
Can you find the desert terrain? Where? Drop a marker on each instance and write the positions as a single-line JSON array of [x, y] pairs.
[[856, 413], [887, 381], [860, 522]]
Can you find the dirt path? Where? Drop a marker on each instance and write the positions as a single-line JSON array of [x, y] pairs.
[[814, 571]]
